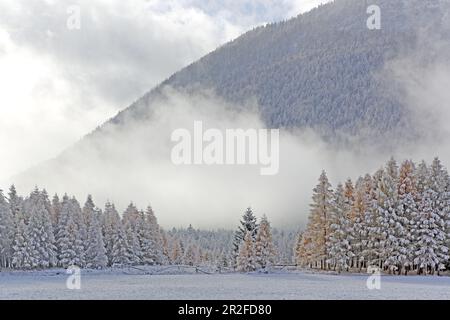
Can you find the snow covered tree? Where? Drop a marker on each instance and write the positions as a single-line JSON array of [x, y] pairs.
[[246, 258], [264, 247], [111, 222], [88, 211], [319, 220], [339, 248], [6, 232], [21, 258], [247, 224], [134, 225], [403, 249], [176, 254], [151, 239], [439, 184], [95, 248], [374, 245], [15, 201], [40, 236], [358, 231], [120, 249], [55, 210], [134, 247], [386, 207], [68, 239], [191, 256]]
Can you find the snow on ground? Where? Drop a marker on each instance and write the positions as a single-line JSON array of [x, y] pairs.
[[163, 284]]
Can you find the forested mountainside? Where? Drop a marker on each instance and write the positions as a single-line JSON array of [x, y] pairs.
[[322, 69]]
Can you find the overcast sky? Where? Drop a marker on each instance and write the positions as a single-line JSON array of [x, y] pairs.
[[59, 84]]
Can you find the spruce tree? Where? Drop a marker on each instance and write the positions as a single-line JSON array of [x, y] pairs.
[[248, 223], [6, 232]]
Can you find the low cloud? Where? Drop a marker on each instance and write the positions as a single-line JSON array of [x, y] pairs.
[[131, 161]]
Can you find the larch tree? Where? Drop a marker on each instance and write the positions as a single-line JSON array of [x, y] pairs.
[[246, 256]]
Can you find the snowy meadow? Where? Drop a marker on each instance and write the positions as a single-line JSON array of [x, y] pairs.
[[115, 284]]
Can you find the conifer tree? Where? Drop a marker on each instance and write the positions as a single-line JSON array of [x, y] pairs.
[[338, 243], [21, 253], [264, 247], [95, 249], [66, 236], [248, 223], [319, 221], [40, 235], [6, 232], [246, 257]]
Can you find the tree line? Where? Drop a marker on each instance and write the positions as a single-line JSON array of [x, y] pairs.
[[397, 219]]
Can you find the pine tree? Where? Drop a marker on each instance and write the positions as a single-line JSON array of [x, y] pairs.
[[6, 232], [95, 249], [319, 221], [120, 249], [264, 247], [40, 236], [55, 210], [358, 228], [386, 206], [439, 184], [88, 211], [176, 254], [191, 256], [246, 257], [425, 255], [339, 237], [67, 237], [21, 253], [151, 239], [15, 201], [134, 247], [402, 244], [134, 224], [375, 236], [111, 222]]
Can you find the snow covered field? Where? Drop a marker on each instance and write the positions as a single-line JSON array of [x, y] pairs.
[[295, 285]]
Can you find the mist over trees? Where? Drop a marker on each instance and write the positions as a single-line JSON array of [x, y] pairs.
[[396, 219]]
